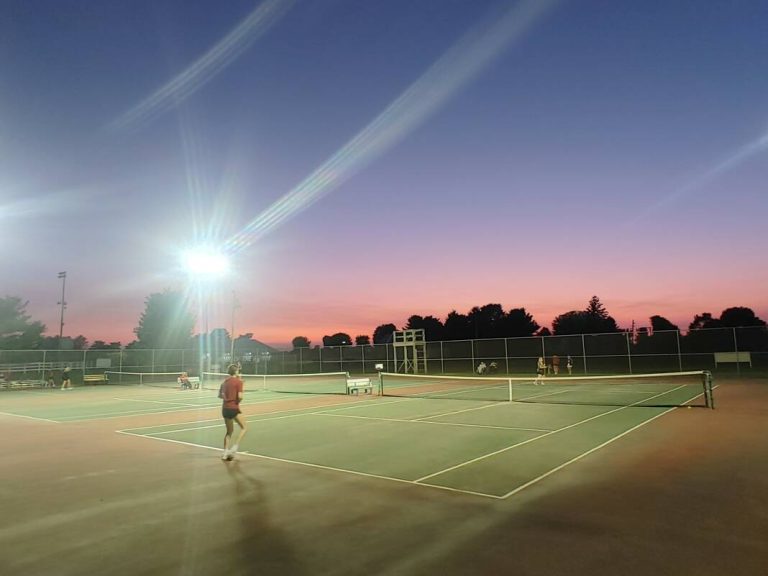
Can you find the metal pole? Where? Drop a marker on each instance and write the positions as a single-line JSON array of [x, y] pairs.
[[584, 353], [442, 359], [629, 352], [736, 349], [679, 355], [63, 304], [506, 355]]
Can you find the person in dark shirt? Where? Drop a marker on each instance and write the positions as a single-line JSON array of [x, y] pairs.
[[66, 380], [231, 394]]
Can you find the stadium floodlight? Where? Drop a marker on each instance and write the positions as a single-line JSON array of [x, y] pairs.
[[205, 263]]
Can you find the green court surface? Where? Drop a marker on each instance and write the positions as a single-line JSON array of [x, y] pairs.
[[487, 449]]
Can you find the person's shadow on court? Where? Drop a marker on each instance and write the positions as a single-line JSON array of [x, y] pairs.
[[262, 547]]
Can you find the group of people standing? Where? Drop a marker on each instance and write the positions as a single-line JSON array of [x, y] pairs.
[[543, 368]]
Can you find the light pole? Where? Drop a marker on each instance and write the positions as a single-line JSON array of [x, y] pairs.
[[63, 304], [204, 265], [235, 306]]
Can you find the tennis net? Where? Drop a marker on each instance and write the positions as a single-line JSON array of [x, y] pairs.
[[158, 379], [659, 390], [321, 383]]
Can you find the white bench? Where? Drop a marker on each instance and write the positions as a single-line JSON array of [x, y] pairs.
[[732, 357], [357, 384]]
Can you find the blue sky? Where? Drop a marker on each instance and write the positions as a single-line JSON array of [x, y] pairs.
[[608, 148]]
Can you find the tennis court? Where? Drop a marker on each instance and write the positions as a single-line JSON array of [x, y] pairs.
[[429, 450]]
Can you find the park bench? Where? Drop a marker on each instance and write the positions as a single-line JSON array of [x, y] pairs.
[[194, 382], [357, 384], [95, 378], [732, 357]]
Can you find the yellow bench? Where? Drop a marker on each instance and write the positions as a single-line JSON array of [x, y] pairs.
[[95, 378]]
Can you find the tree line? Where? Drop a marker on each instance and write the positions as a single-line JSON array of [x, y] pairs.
[[167, 323]]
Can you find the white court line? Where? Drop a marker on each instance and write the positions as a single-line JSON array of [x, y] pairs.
[[156, 401], [249, 418], [137, 413], [543, 436], [256, 417], [421, 421], [29, 417], [319, 466], [474, 408]]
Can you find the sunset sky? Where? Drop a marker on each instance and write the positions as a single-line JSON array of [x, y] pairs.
[[365, 161]]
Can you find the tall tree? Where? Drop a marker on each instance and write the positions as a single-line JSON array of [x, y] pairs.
[[661, 324], [519, 323], [487, 321], [166, 322], [594, 320], [457, 326], [433, 328], [300, 342], [17, 330], [338, 339], [740, 317], [383, 333], [362, 340], [101, 345], [704, 320]]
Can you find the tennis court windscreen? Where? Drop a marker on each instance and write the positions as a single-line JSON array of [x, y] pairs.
[[664, 389], [321, 383]]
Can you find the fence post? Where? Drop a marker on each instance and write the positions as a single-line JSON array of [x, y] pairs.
[[679, 355], [506, 356], [629, 352], [472, 352], [584, 353], [442, 359], [736, 349]]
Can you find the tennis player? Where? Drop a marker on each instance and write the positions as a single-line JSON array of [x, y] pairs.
[[541, 368], [66, 379], [231, 393]]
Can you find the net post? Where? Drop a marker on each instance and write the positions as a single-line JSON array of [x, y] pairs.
[[381, 384], [708, 394], [509, 380]]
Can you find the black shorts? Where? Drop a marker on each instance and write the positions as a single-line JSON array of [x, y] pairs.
[[230, 413], [540, 371]]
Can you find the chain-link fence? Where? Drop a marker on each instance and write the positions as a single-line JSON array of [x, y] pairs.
[[733, 350]]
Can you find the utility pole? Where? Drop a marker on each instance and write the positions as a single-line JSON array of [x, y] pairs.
[[63, 304]]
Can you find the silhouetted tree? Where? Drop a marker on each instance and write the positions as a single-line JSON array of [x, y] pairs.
[[17, 331], [338, 339], [362, 340], [457, 326], [594, 320], [704, 320], [79, 342], [519, 323], [383, 333], [165, 323], [433, 328], [740, 317], [660, 324], [301, 342], [101, 345]]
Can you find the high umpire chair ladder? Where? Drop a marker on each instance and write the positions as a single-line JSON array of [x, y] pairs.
[[413, 351]]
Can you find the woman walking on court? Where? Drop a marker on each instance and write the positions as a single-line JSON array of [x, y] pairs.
[[541, 367], [231, 393]]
